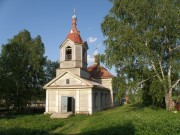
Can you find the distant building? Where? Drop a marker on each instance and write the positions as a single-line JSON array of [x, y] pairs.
[[76, 87]]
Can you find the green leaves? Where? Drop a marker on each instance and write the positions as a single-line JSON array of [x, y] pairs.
[[157, 93], [21, 68], [50, 70], [143, 36]]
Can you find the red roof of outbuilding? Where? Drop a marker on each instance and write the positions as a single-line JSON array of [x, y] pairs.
[[97, 71]]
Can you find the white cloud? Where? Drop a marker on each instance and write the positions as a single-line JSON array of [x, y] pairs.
[[90, 59], [92, 39]]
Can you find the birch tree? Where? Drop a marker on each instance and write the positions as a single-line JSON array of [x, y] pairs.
[[144, 36]]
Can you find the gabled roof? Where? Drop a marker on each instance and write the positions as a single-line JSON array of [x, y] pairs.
[[85, 83], [96, 71]]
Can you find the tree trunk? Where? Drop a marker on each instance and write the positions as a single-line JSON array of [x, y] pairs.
[[168, 100]]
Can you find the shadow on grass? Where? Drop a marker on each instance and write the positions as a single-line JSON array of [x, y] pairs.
[[22, 131], [126, 129], [15, 115], [140, 107], [135, 107]]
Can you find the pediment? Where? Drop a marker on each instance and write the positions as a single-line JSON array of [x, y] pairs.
[[67, 42], [67, 79]]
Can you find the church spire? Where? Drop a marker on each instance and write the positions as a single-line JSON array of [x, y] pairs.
[[74, 19], [74, 34]]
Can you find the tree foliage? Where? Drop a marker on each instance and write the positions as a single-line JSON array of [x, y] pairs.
[[143, 43], [156, 92], [21, 69], [50, 70]]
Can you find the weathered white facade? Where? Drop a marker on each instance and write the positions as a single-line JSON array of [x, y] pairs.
[[74, 89]]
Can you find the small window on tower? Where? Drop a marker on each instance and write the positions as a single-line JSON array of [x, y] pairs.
[[68, 53], [67, 81]]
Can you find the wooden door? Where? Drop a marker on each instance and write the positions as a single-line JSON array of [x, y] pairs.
[[64, 104]]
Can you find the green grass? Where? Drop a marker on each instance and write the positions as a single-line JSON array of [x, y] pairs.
[[126, 120], [28, 124]]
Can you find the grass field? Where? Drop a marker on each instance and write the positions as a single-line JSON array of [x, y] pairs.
[[126, 120]]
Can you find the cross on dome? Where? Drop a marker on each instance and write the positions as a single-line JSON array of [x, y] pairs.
[[96, 52], [74, 16]]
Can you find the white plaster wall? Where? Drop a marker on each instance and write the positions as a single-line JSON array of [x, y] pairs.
[[82, 98], [83, 101], [51, 101], [107, 83], [62, 50], [77, 60], [67, 64], [76, 71], [78, 52]]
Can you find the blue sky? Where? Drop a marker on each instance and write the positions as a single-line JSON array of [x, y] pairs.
[[51, 19]]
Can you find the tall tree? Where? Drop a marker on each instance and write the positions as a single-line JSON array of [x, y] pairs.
[[143, 42], [21, 68], [50, 70]]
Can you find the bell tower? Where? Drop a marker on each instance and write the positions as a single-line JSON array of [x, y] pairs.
[[73, 51]]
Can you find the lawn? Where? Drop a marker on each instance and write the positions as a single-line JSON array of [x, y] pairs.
[[126, 120]]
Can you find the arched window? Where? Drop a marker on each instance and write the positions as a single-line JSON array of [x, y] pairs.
[[68, 53]]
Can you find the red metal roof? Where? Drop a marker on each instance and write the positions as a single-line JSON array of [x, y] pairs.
[[75, 37], [97, 71], [74, 34]]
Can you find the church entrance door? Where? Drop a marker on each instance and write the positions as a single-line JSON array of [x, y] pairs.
[[67, 104]]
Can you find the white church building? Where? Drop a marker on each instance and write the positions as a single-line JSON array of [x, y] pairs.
[[78, 89]]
